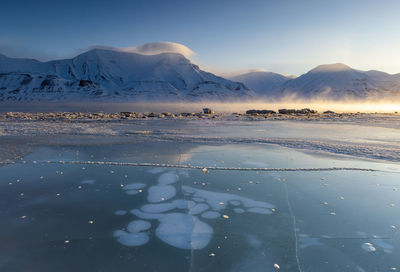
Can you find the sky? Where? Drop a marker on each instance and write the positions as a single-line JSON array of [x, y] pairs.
[[226, 36]]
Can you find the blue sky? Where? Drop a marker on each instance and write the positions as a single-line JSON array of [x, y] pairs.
[[284, 36]]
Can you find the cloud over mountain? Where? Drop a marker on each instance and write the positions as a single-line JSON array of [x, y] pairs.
[[153, 48]]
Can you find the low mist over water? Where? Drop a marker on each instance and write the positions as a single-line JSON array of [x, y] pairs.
[[367, 106]]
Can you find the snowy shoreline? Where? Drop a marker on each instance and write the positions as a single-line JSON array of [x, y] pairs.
[[98, 116]]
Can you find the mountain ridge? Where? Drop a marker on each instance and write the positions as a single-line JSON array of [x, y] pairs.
[[329, 81], [110, 74], [106, 74]]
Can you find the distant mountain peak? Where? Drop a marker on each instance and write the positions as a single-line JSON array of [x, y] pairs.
[[262, 82], [336, 67]]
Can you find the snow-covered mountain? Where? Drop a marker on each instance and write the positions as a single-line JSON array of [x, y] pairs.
[[126, 76], [263, 83], [339, 81], [110, 74]]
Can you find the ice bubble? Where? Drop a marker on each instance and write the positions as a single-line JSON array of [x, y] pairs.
[[368, 247], [134, 186], [88, 181], [138, 226], [238, 210], [168, 178], [199, 208], [184, 204], [214, 198], [259, 210], [211, 215], [184, 231], [131, 239], [160, 193], [158, 208], [143, 215]]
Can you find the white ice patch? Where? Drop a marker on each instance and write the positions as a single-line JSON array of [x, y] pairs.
[[368, 247], [134, 186], [88, 181], [168, 178], [120, 212], [160, 193], [184, 231], [131, 239], [214, 199], [199, 208], [138, 226], [165, 207], [211, 215]]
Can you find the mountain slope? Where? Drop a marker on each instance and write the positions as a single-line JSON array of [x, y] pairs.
[[263, 83], [112, 74], [339, 81]]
